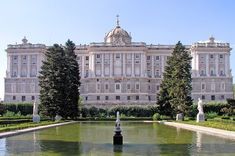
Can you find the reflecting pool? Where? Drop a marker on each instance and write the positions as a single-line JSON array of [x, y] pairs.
[[95, 139]]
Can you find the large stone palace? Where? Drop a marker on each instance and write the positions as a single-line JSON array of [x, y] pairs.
[[119, 71]]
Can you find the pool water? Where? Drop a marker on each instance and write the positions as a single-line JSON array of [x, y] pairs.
[[95, 139]]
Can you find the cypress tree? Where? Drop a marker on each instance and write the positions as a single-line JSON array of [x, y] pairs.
[[175, 91]]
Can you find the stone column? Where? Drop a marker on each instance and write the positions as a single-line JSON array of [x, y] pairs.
[[9, 70], [143, 64], [207, 65], [226, 64], [124, 65], [111, 65], [133, 66], [83, 66], [91, 65], [19, 65], [163, 64], [102, 65], [28, 66], [152, 66], [216, 65]]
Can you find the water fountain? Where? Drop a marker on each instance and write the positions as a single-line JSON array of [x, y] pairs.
[[117, 138]]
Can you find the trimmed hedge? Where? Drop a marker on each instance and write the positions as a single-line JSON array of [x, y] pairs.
[[23, 108], [125, 111]]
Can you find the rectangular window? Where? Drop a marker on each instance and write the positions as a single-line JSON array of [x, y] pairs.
[[157, 87], [23, 98], [128, 86], [118, 56], [157, 58], [203, 87], [117, 97], [106, 98], [137, 97], [106, 86], [117, 86], [14, 98], [213, 97], [32, 98], [137, 86], [97, 55], [137, 56], [128, 98], [211, 56], [86, 98], [149, 97], [220, 56], [87, 58], [203, 97], [148, 57], [222, 97], [98, 97]]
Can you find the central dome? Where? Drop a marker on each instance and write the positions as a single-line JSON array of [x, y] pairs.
[[118, 36]]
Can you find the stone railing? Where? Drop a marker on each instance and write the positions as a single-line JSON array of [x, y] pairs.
[[24, 46], [223, 45], [103, 44]]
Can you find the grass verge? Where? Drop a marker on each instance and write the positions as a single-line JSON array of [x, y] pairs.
[[220, 124], [11, 127]]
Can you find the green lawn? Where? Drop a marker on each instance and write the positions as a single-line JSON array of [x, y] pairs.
[[11, 127], [214, 123]]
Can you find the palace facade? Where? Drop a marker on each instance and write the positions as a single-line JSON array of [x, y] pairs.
[[119, 71]]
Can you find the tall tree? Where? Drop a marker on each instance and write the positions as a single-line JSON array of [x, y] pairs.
[[51, 81], [175, 90], [59, 81], [73, 79]]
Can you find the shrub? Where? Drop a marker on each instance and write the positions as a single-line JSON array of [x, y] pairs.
[[9, 114], [211, 115], [225, 117], [23, 108], [156, 116]]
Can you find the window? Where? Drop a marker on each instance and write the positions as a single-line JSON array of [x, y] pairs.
[[202, 73], [117, 56], [212, 97], [14, 98], [32, 98], [222, 97], [117, 97], [87, 58], [137, 97], [157, 73], [118, 87], [149, 87], [203, 87], [23, 98], [148, 57], [137, 86], [33, 59], [137, 56], [211, 56], [157, 58], [221, 56], [221, 73], [157, 87], [98, 98], [212, 72], [213, 87], [97, 55], [128, 98], [98, 86], [149, 97], [222, 85], [86, 98], [128, 86], [106, 86], [106, 98], [203, 97]]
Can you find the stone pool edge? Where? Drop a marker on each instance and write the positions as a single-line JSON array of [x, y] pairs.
[[21, 131], [206, 130]]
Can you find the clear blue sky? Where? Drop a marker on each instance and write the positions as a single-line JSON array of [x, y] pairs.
[[150, 21]]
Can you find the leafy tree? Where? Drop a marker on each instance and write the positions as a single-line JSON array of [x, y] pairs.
[[175, 91]]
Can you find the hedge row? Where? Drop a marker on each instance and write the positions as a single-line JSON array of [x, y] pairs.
[[128, 111], [23, 108]]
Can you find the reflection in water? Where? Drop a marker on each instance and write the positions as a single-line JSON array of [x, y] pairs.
[[95, 138], [199, 141]]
